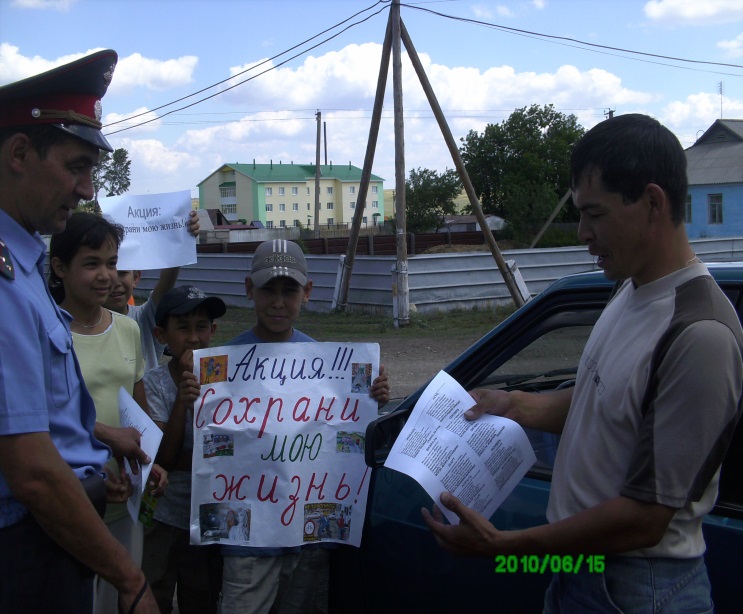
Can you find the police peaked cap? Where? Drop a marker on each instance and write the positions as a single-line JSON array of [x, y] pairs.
[[67, 97]]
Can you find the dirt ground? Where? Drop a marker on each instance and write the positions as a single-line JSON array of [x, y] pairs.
[[412, 362]]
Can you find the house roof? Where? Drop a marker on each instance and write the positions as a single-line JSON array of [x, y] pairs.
[[717, 156], [297, 173]]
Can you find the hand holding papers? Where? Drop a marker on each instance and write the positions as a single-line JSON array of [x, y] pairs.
[[480, 462]]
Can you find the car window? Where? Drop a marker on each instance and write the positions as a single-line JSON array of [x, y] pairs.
[[551, 361]]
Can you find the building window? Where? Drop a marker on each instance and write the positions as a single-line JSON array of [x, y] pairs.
[[329, 189], [331, 221], [352, 189], [227, 192], [269, 224], [308, 190], [687, 211], [269, 191], [282, 223], [714, 208], [229, 209], [295, 191], [281, 191], [308, 207], [282, 207], [295, 206], [375, 188], [375, 204], [330, 205], [363, 219], [296, 223], [353, 204], [269, 207]]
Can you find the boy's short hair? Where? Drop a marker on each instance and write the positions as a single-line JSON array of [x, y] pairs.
[[187, 299], [278, 258]]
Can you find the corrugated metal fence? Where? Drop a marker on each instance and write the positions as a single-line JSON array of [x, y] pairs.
[[436, 281]]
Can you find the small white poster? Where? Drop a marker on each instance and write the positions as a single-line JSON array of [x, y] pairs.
[[279, 438], [132, 415], [479, 461], [156, 227]]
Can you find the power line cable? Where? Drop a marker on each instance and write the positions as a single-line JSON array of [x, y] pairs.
[[385, 2], [539, 35]]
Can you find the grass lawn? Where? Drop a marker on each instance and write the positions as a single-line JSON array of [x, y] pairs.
[[368, 328]]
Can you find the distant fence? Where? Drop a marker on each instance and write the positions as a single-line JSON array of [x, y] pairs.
[[368, 245], [437, 281]]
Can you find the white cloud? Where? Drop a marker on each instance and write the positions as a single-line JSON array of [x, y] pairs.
[[113, 122], [734, 48], [138, 71], [157, 168], [539, 4], [698, 112], [503, 11], [14, 66], [482, 12], [56, 5], [131, 71], [694, 12]]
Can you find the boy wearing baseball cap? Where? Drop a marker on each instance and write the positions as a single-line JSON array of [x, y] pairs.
[[184, 322], [265, 579]]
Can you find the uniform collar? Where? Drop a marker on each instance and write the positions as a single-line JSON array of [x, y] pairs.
[[25, 249]]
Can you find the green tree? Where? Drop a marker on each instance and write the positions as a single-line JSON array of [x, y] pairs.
[[520, 167], [429, 196], [112, 173]]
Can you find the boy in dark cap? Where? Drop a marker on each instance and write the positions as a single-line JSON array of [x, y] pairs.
[[185, 322], [52, 493]]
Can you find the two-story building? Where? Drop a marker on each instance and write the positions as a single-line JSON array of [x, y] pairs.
[[283, 195], [714, 204]]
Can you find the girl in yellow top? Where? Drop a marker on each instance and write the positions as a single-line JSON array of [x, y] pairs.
[[108, 346]]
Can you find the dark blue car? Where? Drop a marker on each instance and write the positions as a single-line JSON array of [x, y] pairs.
[[399, 567]]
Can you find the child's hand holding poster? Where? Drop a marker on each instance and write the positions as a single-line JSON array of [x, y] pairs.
[[278, 457]]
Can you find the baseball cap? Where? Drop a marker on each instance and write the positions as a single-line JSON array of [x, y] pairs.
[[185, 299], [278, 258], [67, 97]]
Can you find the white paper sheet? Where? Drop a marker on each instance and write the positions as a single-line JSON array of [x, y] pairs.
[[132, 415], [480, 462], [156, 228]]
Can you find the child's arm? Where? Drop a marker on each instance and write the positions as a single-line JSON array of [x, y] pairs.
[[175, 428], [168, 277], [380, 389]]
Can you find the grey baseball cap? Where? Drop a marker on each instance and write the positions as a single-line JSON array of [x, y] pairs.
[[278, 258]]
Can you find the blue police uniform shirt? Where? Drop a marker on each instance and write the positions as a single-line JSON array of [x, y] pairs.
[[41, 388]]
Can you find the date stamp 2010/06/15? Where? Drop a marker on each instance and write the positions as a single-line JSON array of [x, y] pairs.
[[549, 563]]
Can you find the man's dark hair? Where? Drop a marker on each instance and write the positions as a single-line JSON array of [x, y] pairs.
[[42, 137], [629, 152]]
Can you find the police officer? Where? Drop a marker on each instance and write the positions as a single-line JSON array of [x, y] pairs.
[[52, 493]]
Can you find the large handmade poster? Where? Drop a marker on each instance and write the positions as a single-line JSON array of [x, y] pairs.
[[278, 457]]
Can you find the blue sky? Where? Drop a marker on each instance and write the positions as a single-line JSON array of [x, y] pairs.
[[172, 48]]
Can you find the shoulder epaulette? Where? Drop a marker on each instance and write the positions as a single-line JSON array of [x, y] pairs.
[[6, 264]]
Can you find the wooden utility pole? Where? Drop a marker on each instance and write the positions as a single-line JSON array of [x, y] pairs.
[[552, 216], [371, 147], [402, 316], [395, 34], [317, 177], [508, 276]]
